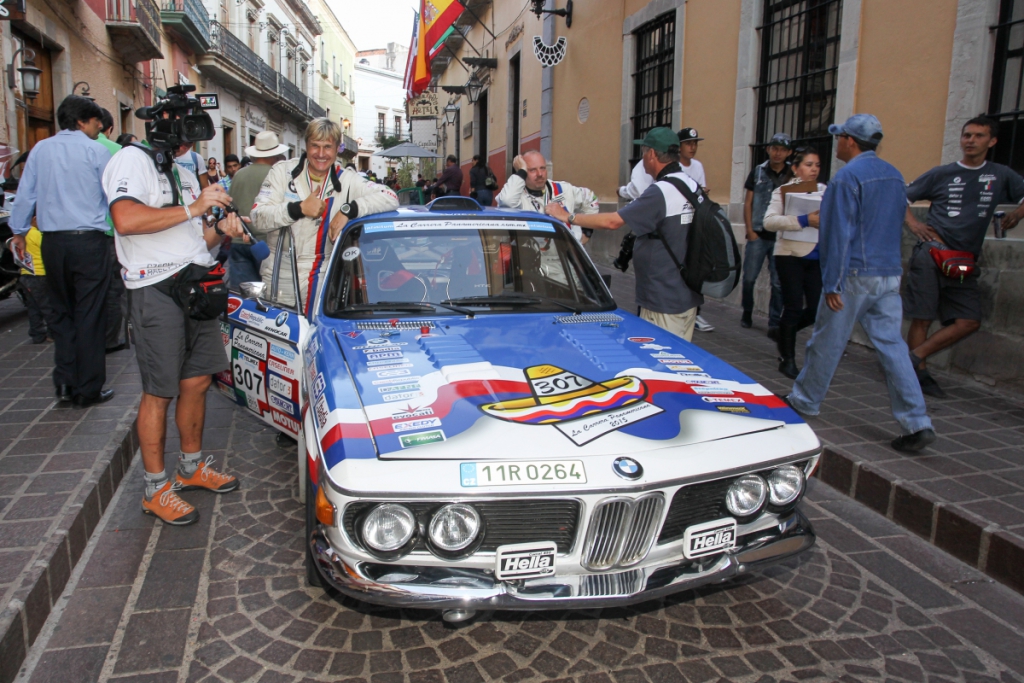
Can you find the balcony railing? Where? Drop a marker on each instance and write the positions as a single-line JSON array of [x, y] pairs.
[[292, 94], [268, 77], [315, 110], [194, 12], [229, 46], [145, 14]]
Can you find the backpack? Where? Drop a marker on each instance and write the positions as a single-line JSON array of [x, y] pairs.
[[712, 264]]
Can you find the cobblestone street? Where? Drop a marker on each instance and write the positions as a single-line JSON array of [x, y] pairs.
[[224, 601]]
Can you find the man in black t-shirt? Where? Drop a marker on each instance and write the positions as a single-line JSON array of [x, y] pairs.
[[963, 197]]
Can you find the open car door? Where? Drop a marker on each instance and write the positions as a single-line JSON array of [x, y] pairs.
[[262, 337]]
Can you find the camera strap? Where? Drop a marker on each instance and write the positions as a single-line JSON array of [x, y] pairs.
[[159, 160]]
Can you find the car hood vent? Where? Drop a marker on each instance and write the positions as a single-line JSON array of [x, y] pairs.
[[395, 325], [601, 349], [588, 318]]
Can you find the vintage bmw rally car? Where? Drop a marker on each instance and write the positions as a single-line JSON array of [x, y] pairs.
[[480, 427]]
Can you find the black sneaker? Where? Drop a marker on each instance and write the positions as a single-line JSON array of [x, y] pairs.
[[911, 443], [929, 387], [747, 321]]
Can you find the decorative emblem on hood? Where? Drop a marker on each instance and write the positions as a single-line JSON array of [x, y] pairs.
[[627, 468]]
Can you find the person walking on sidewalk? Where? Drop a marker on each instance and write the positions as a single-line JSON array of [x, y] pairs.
[[662, 215], [862, 212], [964, 196], [61, 187], [761, 183], [33, 288], [796, 259], [158, 237]]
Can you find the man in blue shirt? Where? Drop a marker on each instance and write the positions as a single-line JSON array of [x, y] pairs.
[[61, 187], [861, 228]]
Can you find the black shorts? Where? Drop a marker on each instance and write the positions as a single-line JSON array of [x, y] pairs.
[[930, 295]]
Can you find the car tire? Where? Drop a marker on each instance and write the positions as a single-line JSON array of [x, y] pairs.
[[313, 577]]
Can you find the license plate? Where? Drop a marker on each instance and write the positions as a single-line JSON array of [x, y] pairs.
[[524, 561], [527, 472], [709, 538]]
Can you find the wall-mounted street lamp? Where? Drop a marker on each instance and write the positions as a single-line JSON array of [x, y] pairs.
[[345, 123], [85, 91], [451, 112], [30, 73], [473, 89]]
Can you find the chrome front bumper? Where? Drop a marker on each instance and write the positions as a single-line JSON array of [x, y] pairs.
[[441, 588]]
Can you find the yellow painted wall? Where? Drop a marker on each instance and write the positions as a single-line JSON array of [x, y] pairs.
[[710, 51], [587, 154], [903, 77]]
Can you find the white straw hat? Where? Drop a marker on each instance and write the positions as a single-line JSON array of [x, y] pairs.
[[267, 145]]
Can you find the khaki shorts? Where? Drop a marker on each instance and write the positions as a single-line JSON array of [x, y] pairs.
[[679, 324], [158, 330]]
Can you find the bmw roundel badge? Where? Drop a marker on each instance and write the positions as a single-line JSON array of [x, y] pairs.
[[627, 468], [281, 319]]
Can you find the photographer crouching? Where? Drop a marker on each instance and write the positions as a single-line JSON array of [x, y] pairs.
[[175, 292]]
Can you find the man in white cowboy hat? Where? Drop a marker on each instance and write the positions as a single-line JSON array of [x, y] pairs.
[[297, 192], [265, 152]]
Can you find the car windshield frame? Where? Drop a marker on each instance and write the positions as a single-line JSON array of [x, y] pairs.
[[580, 280]]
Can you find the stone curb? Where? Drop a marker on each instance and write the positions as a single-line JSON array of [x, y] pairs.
[[981, 544], [22, 619]]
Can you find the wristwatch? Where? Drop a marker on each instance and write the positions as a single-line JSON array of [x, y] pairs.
[[572, 217], [349, 210]]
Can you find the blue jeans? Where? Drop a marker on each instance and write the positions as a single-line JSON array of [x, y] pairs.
[[242, 265], [754, 255], [875, 303]]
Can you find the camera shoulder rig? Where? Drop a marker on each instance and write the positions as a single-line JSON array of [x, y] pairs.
[[163, 159]]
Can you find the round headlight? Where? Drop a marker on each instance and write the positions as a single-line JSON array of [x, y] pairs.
[[388, 527], [785, 484], [746, 495], [454, 527]]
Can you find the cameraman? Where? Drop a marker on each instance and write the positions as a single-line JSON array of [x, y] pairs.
[[157, 236], [661, 293]]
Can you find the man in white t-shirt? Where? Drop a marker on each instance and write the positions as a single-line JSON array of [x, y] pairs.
[[159, 231], [193, 162], [639, 180]]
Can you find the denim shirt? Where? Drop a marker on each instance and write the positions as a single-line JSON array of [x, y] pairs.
[[763, 188], [862, 216]]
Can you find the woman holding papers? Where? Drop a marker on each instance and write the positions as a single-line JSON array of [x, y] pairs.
[[794, 213]]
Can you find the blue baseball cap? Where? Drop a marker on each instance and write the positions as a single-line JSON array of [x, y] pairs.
[[863, 127]]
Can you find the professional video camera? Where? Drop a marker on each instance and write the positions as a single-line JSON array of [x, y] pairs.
[[178, 118]]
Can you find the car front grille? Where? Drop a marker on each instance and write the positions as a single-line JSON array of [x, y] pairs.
[[621, 531], [611, 585], [694, 504], [507, 521]]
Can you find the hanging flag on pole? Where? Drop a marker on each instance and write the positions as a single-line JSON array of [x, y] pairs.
[[411, 58], [434, 23]]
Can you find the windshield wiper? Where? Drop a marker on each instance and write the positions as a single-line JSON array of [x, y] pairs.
[[510, 300], [410, 306]]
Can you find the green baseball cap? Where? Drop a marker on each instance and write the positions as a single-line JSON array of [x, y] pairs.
[[659, 139]]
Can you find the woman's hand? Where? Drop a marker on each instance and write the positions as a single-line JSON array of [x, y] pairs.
[[814, 219]]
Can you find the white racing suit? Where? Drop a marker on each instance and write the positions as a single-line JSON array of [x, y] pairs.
[[277, 206], [575, 199]]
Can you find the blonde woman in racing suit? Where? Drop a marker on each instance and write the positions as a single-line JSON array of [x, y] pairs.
[[296, 193], [529, 189]]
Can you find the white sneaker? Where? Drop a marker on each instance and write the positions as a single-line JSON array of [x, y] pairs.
[[702, 325]]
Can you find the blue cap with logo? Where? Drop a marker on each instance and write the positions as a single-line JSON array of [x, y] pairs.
[[863, 127]]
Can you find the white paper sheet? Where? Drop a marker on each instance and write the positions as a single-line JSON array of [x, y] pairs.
[[800, 205]]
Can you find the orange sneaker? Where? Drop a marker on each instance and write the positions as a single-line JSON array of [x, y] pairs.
[[171, 509], [205, 477]]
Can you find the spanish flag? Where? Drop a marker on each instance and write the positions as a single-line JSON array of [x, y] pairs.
[[434, 24]]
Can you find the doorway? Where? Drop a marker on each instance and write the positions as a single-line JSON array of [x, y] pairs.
[[39, 122], [513, 110], [482, 126]]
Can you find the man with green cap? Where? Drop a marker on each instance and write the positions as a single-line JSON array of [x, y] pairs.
[[661, 293]]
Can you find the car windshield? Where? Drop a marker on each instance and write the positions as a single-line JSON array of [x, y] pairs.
[[477, 265]]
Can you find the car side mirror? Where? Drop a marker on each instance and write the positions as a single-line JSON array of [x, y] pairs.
[[607, 279], [254, 290]]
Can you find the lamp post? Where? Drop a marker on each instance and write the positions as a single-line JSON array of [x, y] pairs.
[[30, 73]]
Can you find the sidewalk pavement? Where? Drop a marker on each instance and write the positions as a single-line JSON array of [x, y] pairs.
[[59, 468], [965, 493]]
